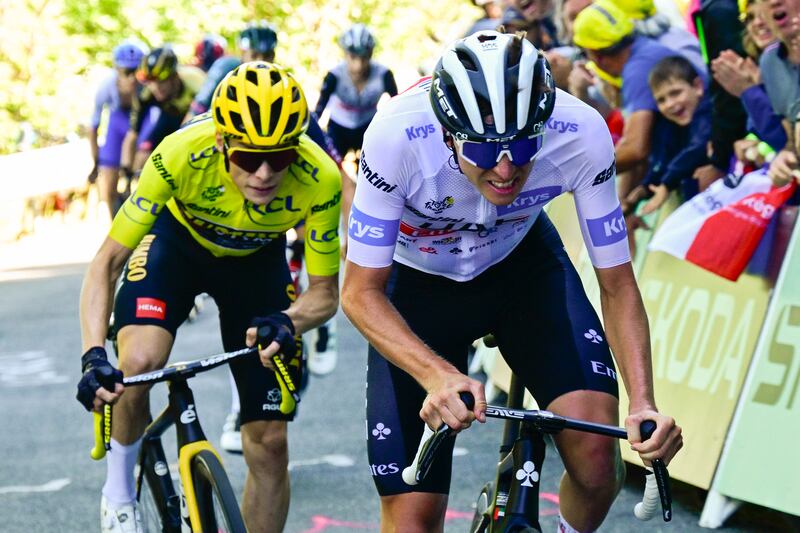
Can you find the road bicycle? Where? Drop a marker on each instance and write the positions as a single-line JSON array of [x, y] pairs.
[[207, 501], [511, 502]]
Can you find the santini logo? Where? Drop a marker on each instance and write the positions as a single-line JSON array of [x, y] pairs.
[[373, 178]]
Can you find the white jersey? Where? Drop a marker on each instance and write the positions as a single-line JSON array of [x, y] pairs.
[[413, 205]]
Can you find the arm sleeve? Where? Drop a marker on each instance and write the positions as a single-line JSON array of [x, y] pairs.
[[328, 86], [599, 212], [322, 221], [766, 124], [723, 31], [389, 84], [138, 112], [157, 185], [380, 196]]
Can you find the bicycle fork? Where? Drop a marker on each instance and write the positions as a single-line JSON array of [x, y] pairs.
[[518, 478]]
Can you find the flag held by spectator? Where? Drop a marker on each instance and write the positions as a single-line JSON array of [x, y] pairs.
[[720, 228]]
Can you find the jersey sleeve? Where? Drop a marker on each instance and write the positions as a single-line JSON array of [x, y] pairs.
[[380, 196], [157, 184], [599, 212], [328, 86], [101, 99], [389, 84], [322, 218]]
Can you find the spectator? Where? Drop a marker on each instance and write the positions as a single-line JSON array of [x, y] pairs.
[[657, 26], [608, 38], [534, 17], [741, 77], [492, 13], [780, 71], [679, 93], [722, 30]]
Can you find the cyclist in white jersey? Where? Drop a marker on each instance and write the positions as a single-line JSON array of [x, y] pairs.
[[448, 242]]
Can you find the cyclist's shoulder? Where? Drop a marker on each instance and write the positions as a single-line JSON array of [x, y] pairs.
[[314, 167], [576, 129], [192, 77], [189, 149]]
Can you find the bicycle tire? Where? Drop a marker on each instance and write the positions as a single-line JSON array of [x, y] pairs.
[[152, 521], [216, 502], [479, 523]]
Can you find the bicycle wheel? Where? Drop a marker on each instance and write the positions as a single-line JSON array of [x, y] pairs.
[[151, 492], [480, 520], [219, 510]]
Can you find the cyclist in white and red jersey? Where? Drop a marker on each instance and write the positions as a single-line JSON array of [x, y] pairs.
[[448, 242]]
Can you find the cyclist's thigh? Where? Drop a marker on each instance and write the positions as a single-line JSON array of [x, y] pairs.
[[244, 288], [341, 137], [550, 334], [160, 279], [440, 312]]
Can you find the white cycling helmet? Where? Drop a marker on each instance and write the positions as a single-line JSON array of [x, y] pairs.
[[492, 86]]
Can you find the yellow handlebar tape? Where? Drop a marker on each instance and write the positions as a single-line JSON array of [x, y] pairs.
[[102, 433]]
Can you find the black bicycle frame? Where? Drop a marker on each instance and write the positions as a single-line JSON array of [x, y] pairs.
[[181, 412]]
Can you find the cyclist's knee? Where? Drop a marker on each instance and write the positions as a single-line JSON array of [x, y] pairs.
[[265, 445], [413, 512], [143, 348], [598, 465]]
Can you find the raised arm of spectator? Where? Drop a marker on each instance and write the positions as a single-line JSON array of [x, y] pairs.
[[723, 31], [328, 86], [764, 122], [634, 146]]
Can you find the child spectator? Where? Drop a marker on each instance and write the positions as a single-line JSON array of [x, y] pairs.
[[678, 91]]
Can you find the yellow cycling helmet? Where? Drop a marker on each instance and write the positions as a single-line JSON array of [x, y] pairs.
[[260, 104], [637, 9], [600, 26]]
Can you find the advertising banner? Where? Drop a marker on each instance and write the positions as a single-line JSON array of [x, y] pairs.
[[760, 464]]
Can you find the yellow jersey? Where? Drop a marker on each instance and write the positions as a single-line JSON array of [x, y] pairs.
[[186, 173]]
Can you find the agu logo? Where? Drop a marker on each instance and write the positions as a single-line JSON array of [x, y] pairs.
[[151, 308]]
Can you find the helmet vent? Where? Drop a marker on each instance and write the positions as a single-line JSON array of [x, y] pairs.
[[274, 115], [514, 53], [237, 123], [231, 93], [220, 119], [466, 60], [484, 37], [275, 77], [255, 111], [295, 95], [252, 77], [292, 122]]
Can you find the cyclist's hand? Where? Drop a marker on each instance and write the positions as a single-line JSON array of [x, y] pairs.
[[272, 334], [665, 442], [101, 383], [444, 405]]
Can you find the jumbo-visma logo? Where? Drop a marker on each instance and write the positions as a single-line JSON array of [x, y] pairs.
[[323, 240]]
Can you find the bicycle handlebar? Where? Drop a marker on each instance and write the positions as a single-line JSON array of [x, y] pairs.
[[187, 369], [657, 484]]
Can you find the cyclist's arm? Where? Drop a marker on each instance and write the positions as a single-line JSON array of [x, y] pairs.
[[389, 84], [316, 304], [97, 292], [328, 86]]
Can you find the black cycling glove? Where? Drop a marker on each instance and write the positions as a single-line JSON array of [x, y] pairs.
[[276, 327], [97, 372]]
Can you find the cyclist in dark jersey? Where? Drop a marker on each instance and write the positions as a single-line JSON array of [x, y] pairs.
[[166, 93], [351, 90]]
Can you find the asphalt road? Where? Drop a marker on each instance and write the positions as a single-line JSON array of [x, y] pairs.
[[49, 483]]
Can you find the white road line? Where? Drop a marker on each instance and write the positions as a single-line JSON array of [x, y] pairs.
[[341, 461], [30, 368], [50, 486]]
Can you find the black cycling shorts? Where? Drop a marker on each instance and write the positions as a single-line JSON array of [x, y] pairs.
[[169, 268], [346, 139], [534, 303]]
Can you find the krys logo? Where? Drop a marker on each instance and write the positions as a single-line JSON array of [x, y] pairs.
[[528, 199], [561, 126], [420, 132], [607, 229], [371, 230]]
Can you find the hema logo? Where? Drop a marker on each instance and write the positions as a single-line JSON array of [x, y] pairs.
[[607, 229], [371, 230]]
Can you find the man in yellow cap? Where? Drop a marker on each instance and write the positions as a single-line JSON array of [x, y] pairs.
[[624, 58]]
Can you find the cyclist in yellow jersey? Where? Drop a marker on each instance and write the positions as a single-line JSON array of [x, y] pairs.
[[213, 203]]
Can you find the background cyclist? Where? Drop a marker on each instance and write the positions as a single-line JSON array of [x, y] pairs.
[[448, 242], [232, 186], [116, 94]]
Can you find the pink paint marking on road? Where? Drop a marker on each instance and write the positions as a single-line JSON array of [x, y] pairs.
[[552, 498], [452, 514], [321, 523]]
